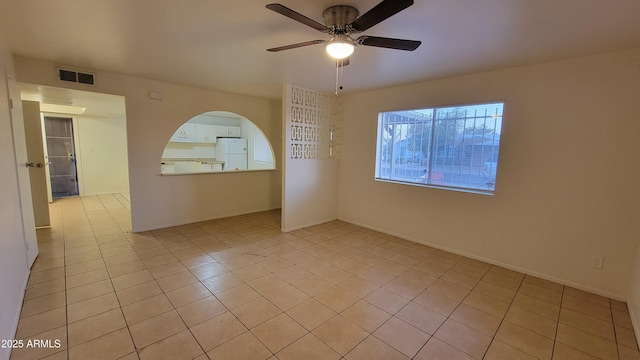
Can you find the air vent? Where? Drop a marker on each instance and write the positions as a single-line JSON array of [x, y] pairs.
[[76, 76], [66, 75]]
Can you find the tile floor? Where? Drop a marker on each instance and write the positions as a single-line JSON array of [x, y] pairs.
[[238, 288]]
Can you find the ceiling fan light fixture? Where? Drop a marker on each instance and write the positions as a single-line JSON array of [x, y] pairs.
[[340, 46]]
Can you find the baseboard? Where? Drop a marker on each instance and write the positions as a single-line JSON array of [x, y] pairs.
[[192, 221], [634, 323], [16, 317], [24, 290], [496, 263], [308, 225]]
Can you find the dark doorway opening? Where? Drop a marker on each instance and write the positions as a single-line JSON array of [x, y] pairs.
[[61, 156]]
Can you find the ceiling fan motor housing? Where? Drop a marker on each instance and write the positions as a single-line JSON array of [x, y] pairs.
[[339, 17], [343, 20]]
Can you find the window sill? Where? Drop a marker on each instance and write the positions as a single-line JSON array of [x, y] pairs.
[[440, 187]]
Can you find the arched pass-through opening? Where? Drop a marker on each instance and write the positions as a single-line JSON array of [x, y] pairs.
[[217, 141]]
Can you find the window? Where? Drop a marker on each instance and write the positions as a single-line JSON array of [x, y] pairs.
[[454, 148]]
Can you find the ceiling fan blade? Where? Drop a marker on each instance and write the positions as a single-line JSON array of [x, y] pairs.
[[293, 46], [389, 43], [380, 12], [283, 10]]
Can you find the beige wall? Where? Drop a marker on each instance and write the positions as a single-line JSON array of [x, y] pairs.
[[567, 185], [159, 201], [102, 155], [250, 133], [14, 270]]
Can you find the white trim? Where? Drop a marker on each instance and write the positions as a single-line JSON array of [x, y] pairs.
[[186, 222], [286, 230], [497, 263], [16, 319], [45, 150], [76, 148], [634, 322]]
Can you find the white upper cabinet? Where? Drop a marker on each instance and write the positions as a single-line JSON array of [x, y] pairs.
[[229, 131], [205, 133], [185, 133]]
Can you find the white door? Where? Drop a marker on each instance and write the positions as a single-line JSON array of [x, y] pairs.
[[20, 153], [36, 160], [61, 155]]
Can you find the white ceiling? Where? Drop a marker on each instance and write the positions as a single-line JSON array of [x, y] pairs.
[[221, 44], [95, 104]]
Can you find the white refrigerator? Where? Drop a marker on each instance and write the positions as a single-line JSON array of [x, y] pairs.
[[233, 152]]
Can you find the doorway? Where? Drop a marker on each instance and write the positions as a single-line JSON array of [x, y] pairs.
[[61, 155]]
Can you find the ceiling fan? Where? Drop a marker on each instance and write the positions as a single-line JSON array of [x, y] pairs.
[[343, 20]]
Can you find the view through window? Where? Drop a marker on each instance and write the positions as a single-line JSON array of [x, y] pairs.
[[450, 147]]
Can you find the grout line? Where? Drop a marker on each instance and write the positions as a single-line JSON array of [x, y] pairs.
[[246, 238], [64, 262], [503, 319], [555, 336]]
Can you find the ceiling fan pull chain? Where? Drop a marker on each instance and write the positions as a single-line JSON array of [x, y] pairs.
[[341, 61], [337, 75], [340, 64]]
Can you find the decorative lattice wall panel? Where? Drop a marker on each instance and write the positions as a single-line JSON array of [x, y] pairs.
[[312, 129]]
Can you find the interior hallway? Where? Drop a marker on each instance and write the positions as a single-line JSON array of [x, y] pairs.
[[238, 288]]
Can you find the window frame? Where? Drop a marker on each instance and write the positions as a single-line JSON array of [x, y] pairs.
[[432, 157]]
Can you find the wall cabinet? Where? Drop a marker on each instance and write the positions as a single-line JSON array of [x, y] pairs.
[[185, 133], [205, 133], [229, 131], [211, 167]]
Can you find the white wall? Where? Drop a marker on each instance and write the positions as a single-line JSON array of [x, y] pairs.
[[14, 270], [310, 183], [178, 150], [253, 136], [102, 154], [159, 201], [309, 193], [567, 185]]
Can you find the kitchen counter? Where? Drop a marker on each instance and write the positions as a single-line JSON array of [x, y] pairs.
[[180, 166]]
